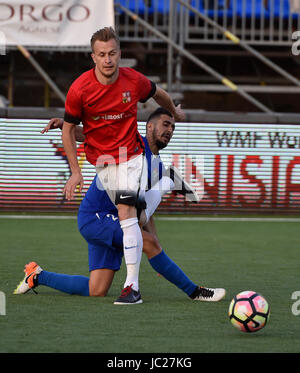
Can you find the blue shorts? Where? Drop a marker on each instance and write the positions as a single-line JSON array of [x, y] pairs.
[[104, 236]]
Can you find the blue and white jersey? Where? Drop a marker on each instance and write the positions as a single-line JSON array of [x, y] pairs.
[[156, 167], [97, 200]]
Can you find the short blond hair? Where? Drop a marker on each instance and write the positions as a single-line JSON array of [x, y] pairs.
[[104, 34]]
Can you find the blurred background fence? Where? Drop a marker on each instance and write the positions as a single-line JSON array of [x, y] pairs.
[[260, 22]]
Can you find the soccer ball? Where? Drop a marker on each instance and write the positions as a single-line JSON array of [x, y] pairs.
[[249, 311]]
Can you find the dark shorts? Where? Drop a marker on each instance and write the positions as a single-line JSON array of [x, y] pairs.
[[104, 236]]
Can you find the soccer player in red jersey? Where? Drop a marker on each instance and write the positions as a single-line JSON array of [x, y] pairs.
[[105, 100]]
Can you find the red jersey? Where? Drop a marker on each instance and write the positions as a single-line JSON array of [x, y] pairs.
[[108, 112]]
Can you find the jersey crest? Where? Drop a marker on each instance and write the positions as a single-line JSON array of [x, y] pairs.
[[126, 97]]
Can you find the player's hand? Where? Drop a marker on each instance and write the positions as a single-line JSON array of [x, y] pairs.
[[179, 114], [70, 187], [53, 124]]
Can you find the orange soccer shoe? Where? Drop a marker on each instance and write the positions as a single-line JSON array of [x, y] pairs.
[[29, 282]]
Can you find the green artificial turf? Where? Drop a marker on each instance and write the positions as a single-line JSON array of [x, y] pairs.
[[259, 256]]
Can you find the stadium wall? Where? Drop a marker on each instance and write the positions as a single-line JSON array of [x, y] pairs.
[[236, 168]]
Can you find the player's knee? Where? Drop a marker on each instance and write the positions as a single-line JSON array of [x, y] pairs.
[[98, 292]]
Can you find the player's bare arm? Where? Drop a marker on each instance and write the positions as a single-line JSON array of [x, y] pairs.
[[163, 99], [55, 123], [69, 142]]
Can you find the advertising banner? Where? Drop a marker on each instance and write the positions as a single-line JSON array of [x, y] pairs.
[[232, 167], [58, 23]]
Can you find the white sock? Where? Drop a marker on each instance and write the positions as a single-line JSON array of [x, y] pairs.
[[154, 195], [133, 248]]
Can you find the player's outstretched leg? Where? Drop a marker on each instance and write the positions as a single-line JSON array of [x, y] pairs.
[[31, 271], [166, 267], [35, 276]]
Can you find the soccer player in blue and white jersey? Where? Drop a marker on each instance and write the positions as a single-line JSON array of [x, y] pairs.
[[99, 224]]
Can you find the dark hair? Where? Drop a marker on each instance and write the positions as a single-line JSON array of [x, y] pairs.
[[104, 34], [157, 113]]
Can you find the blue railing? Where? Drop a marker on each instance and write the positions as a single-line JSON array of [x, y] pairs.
[[248, 8], [257, 21]]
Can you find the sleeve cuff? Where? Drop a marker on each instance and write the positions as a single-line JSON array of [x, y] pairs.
[[151, 93], [71, 119]]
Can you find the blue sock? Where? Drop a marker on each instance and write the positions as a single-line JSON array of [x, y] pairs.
[[67, 283], [162, 264]]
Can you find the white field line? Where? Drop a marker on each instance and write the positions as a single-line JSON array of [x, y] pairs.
[[166, 218]]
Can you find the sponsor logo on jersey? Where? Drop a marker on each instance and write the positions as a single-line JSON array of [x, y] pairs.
[[109, 116]]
